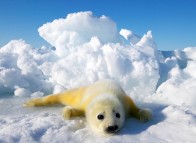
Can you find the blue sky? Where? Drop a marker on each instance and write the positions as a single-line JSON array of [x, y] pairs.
[[173, 22]]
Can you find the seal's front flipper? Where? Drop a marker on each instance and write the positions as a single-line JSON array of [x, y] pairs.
[[70, 112], [145, 115]]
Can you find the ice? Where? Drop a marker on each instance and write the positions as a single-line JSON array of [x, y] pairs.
[[85, 48], [97, 56], [180, 79], [66, 33], [130, 36], [20, 68]]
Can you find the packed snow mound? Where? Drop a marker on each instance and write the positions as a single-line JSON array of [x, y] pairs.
[[179, 78], [130, 36], [90, 48], [20, 67], [77, 29], [95, 53]]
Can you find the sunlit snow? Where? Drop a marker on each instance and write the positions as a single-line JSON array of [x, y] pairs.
[[89, 48]]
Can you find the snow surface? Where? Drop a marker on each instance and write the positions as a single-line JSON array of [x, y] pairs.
[[86, 49]]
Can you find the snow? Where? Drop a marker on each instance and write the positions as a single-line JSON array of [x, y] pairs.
[[85, 49], [181, 78], [130, 36], [77, 29]]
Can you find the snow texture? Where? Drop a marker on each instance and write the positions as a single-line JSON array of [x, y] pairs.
[[85, 49]]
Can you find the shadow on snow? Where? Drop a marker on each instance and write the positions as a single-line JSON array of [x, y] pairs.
[[133, 126]]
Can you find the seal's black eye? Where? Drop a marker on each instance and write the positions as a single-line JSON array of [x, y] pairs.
[[100, 117], [117, 115]]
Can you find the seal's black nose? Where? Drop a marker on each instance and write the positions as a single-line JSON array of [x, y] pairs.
[[112, 129]]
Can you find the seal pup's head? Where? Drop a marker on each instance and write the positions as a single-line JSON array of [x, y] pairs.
[[105, 114]]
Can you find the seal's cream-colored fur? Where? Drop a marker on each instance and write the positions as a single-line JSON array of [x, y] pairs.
[[104, 103]]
